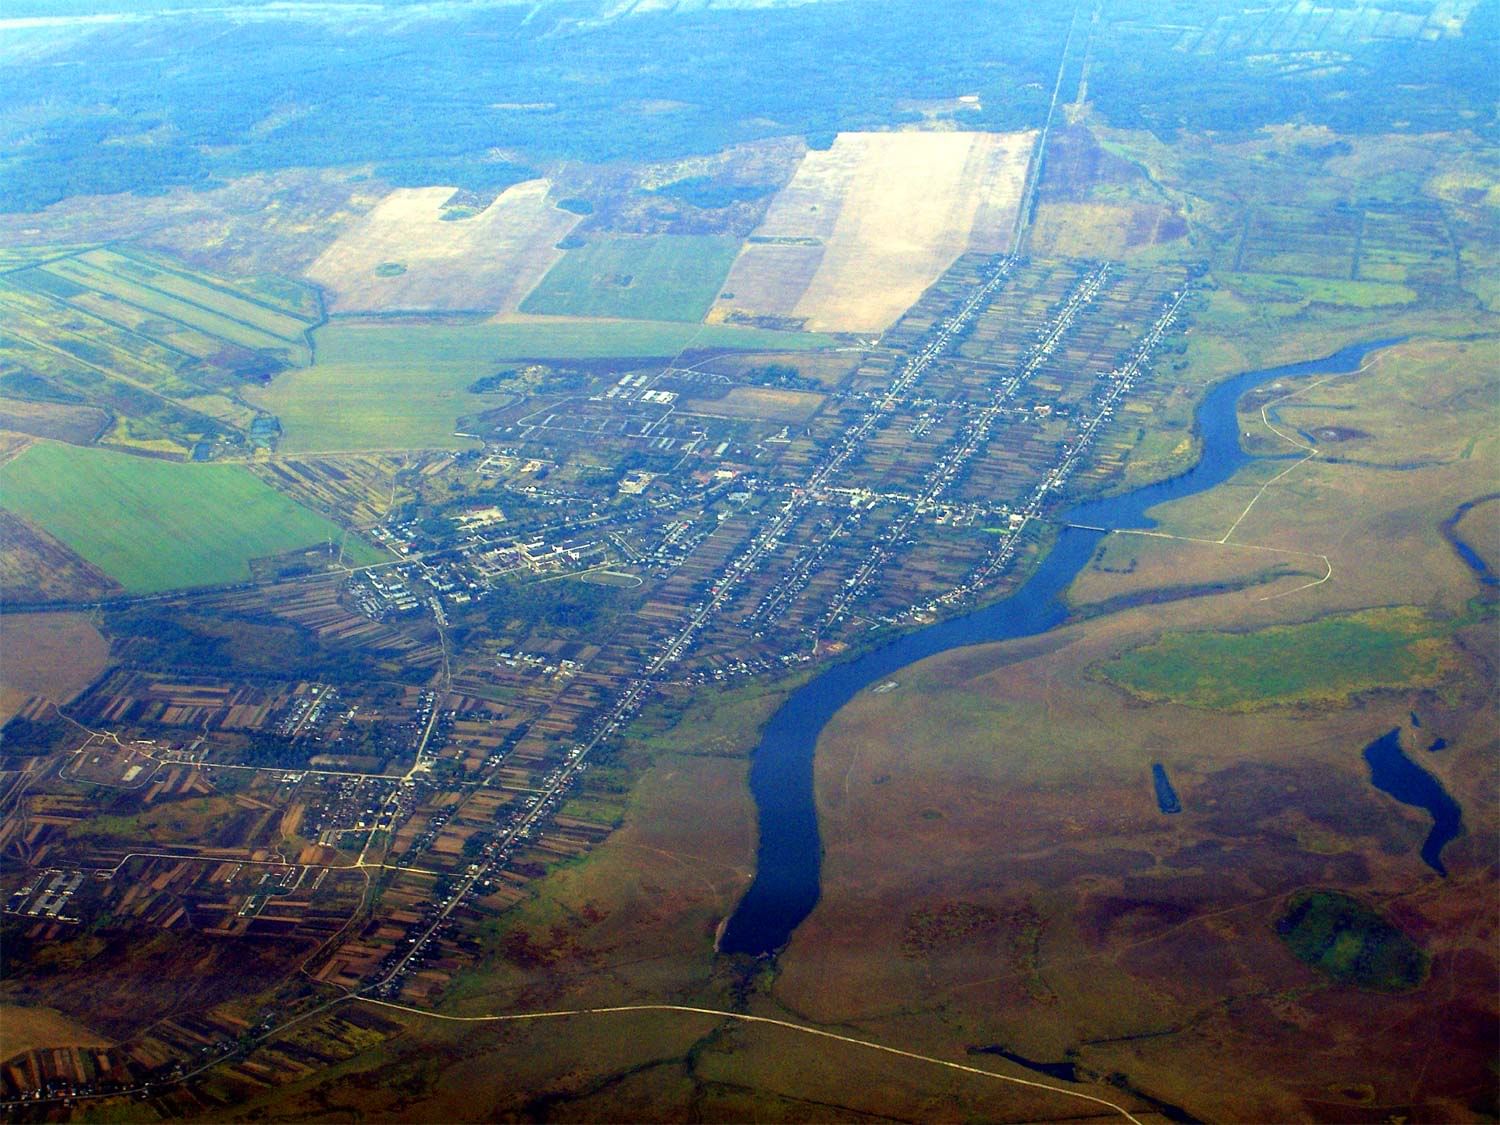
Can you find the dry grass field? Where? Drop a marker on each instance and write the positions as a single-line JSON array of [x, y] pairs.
[[23, 1028], [403, 256], [760, 402], [865, 226], [1101, 230]]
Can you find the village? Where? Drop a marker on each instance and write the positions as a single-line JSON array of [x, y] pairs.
[[656, 529]]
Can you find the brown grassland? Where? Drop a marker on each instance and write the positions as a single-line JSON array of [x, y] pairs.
[[1005, 793], [64, 654]]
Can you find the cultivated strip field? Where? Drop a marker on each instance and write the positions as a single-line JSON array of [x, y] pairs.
[[405, 256], [126, 333], [864, 227]]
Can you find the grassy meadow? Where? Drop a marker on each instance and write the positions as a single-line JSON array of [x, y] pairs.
[[159, 525], [404, 386], [1320, 661], [657, 277]]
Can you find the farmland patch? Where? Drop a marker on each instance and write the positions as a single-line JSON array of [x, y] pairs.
[[406, 256], [50, 655], [161, 348], [666, 277], [866, 225], [24, 1028], [155, 525]]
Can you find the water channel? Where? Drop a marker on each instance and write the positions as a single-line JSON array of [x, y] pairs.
[[789, 856]]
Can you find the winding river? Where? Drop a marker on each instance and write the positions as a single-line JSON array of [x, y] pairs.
[[789, 857]]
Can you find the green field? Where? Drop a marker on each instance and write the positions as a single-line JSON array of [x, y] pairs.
[[1307, 290], [1341, 936], [404, 386], [160, 525], [658, 277], [1323, 660]]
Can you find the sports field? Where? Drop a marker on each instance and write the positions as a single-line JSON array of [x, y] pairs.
[[659, 277], [160, 525], [404, 386]]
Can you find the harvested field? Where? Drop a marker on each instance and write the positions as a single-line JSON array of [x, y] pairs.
[[77, 425], [35, 567], [53, 655], [24, 1028], [866, 226], [487, 262]]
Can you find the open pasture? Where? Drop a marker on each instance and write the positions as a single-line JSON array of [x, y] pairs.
[[488, 262], [864, 227], [1067, 229], [661, 277], [155, 525], [394, 387]]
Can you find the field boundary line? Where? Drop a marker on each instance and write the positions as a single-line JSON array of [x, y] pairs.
[[768, 1020]]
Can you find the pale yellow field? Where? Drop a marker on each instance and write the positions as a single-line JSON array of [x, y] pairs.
[[863, 228], [488, 262]]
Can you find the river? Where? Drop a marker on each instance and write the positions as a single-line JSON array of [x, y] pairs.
[[789, 856]]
